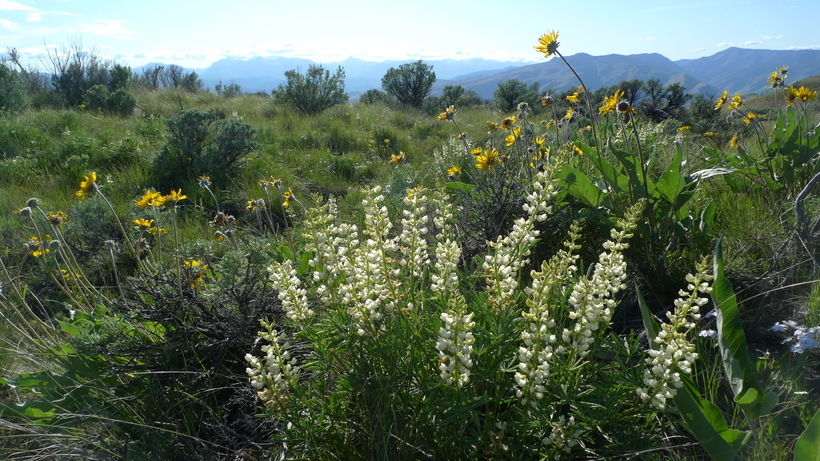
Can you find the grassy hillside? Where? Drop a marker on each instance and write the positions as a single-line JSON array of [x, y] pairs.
[[226, 278]]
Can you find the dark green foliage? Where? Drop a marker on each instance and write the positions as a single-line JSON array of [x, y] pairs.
[[75, 70], [191, 83], [202, 143], [121, 102], [119, 77], [409, 84], [95, 97], [512, 92], [12, 93], [661, 103], [228, 91], [314, 91], [373, 96]]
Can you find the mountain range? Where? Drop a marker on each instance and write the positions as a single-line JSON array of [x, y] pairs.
[[737, 70]]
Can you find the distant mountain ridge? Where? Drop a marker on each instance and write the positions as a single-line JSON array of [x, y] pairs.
[[736, 70]]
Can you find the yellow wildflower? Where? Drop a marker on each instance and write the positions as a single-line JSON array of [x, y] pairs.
[[611, 102], [736, 101], [548, 44], [570, 112], [287, 195], [546, 101], [88, 185], [804, 94], [684, 129], [749, 117], [175, 196], [492, 126], [576, 95], [487, 160], [510, 139], [507, 122], [710, 134], [477, 151], [145, 223], [448, 114], [56, 219], [453, 171], [150, 198], [397, 158], [721, 100], [733, 143]]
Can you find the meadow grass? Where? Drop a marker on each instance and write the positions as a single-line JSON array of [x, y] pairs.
[[376, 282]]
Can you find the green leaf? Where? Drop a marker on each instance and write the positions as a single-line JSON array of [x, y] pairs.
[[456, 186], [649, 322], [737, 364], [30, 409], [706, 422], [808, 445], [580, 186]]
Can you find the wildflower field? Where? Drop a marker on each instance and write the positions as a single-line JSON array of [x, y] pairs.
[[222, 277]]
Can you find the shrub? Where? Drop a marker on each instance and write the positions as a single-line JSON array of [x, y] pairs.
[[202, 143], [409, 84], [314, 91], [12, 92]]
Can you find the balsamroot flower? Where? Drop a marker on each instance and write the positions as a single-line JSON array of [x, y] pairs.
[[611, 102], [548, 44], [276, 373], [448, 114], [737, 100], [672, 353], [722, 100], [455, 342], [150, 198], [487, 159], [88, 186]]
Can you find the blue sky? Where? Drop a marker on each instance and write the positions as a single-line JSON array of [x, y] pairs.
[[196, 33]]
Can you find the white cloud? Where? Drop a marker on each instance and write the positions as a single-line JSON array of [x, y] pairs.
[[34, 17], [108, 28], [650, 38], [698, 49], [807, 47], [752, 42], [7, 5], [723, 44], [6, 24], [772, 37]]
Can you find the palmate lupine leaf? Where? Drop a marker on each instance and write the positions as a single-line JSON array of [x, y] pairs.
[[737, 364], [703, 419]]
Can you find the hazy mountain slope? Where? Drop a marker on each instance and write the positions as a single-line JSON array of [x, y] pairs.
[[597, 72], [744, 71]]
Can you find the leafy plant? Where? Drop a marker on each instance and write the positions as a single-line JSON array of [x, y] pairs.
[[314, 91]]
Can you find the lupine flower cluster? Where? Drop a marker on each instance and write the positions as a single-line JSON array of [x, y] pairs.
[[273, 376], [455, 342], [293, 296], [672, 353], [414, 229], [564, 435], [331, 244], [509, 253], [538, 338], [592, 300], [369, 292]]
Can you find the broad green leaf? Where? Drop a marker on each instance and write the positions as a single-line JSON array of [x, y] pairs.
[[731, 340], [808, 445], [459, 186], [671, 182], [703, 419], [737, 364], [580, 186], [30, 409]]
